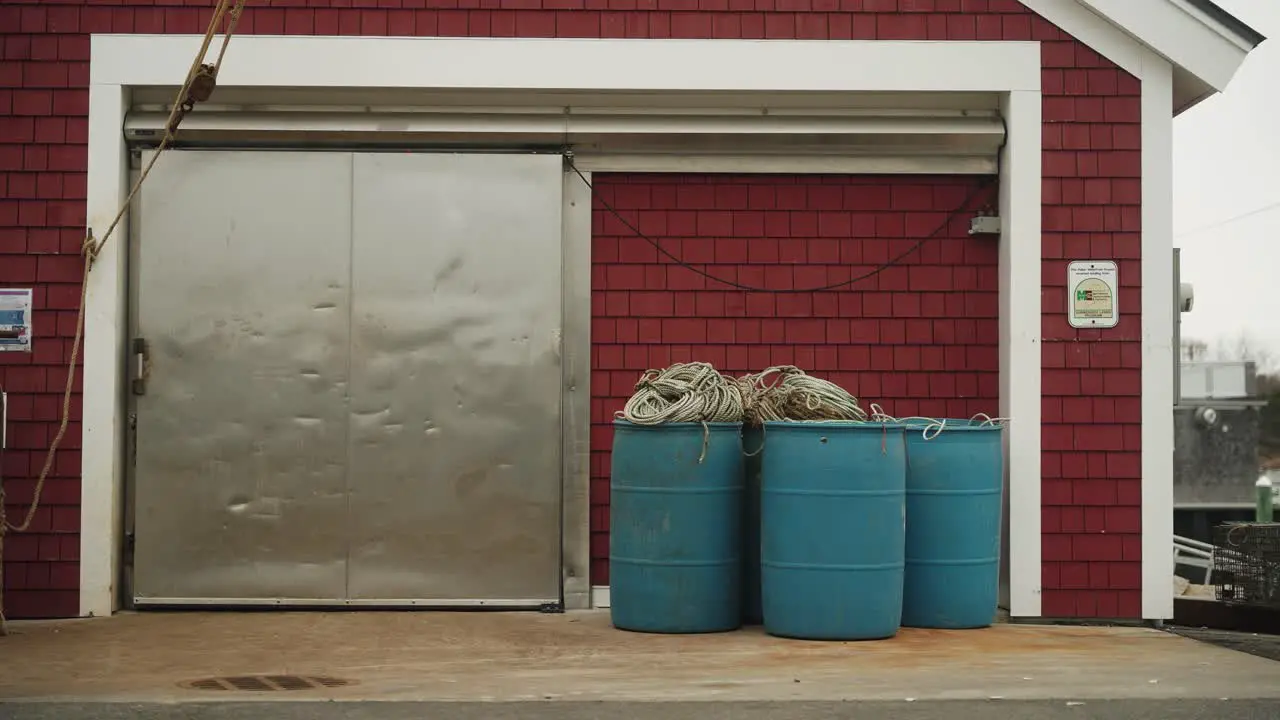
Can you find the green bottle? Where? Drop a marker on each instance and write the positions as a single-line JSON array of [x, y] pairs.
[[1263, 513]]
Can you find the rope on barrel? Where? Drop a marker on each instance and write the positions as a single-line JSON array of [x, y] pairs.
[[988, 420], [685, 392], [786, 392], [933, 427]]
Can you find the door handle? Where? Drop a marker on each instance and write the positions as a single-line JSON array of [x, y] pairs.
[[142, 366]]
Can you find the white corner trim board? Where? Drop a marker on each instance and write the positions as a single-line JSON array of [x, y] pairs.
[[122, 62], [1157, 339]]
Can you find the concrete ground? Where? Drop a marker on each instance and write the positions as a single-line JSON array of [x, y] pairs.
[[572, 666], [854, 710]]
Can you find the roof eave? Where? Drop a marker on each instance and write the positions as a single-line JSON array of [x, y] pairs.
[[1205, 44], [1228, 23], [1185, 101]]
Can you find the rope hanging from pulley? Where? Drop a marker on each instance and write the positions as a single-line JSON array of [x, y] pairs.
[[198, 86]]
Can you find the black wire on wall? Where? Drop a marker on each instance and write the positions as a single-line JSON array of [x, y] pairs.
[[961, 209]]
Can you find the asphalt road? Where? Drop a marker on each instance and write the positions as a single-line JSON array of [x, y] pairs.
[[1259, 644], [937, 710]]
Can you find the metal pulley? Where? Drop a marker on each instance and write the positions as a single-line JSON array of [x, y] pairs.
[[202, 86], [199, 89]]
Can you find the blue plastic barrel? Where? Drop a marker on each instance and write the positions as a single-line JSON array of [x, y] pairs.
[[753, 447], [675, 536], [832, 529], [955, 481]]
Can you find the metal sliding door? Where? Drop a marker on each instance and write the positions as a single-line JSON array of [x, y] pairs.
[[455, 377], [353, 381], [242, 296]]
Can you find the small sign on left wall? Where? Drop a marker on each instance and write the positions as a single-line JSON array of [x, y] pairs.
[[15, 320]]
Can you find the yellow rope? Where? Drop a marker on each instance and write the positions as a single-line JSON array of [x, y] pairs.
[[91, 249]]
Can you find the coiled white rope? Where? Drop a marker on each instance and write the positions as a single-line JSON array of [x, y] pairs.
[[684, 392], [786, 392]]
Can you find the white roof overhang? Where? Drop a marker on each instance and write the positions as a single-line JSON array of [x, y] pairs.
[[1205, 43]]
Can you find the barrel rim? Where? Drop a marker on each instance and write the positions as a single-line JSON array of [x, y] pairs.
[[952, 425], [839, 424]]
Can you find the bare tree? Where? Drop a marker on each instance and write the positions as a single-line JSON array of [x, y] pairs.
[[1243, 348], [1194, 350], [1268, 384]]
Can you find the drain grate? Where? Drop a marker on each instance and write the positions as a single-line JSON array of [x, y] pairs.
[[265, 683]]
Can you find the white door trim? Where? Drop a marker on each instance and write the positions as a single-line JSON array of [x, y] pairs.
[[577, 65], [122, 62], [1021, 255]]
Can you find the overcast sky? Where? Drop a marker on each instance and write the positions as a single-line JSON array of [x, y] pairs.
[[1226, 186]]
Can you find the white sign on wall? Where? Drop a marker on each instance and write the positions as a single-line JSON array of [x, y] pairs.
[[1093, 289], [15, 320]]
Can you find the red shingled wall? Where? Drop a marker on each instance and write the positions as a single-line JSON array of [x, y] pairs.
[[1091, 492], [919, 338]]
